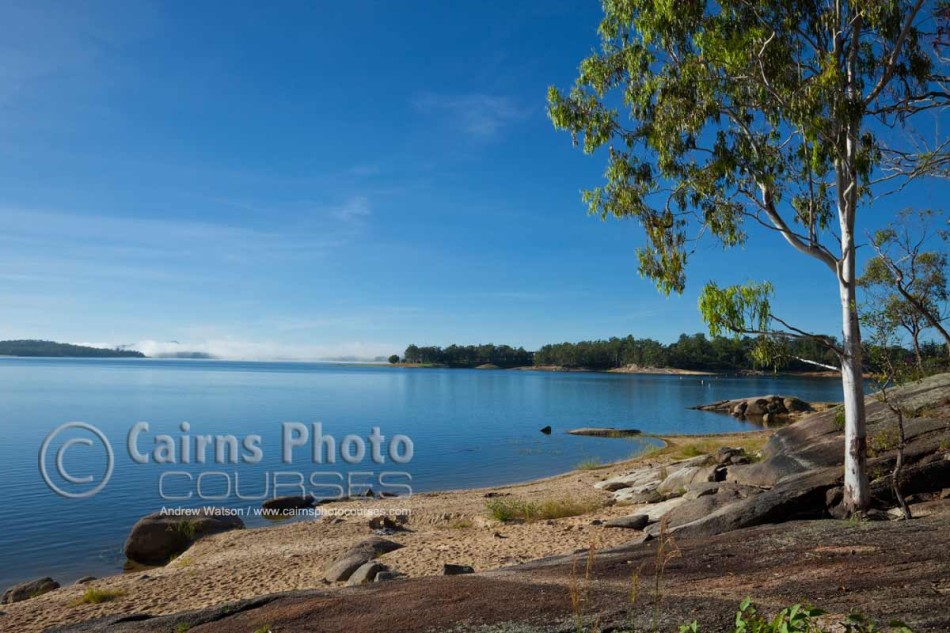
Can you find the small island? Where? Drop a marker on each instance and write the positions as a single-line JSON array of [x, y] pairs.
[[49, 349]]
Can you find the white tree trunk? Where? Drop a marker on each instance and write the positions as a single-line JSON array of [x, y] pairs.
[[857, 494]]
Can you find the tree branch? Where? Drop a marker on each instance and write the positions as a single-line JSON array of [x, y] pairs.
[[891, 65]]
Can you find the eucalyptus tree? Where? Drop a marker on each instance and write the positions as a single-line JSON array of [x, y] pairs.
[[908, 274], [718, 115]]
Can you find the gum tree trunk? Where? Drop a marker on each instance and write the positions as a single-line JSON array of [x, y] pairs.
[[857, 493], [856, 488]]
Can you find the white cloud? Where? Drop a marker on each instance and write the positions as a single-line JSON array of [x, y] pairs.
[[481, 116]]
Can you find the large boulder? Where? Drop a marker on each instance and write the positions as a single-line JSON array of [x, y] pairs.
[[157, 538], [365, 573], [345, 567], [29, 589]]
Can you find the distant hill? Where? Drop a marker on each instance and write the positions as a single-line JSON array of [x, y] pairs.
[[62, 350]]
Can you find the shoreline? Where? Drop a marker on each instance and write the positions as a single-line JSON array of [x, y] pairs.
[[631, 370], [451, 526]]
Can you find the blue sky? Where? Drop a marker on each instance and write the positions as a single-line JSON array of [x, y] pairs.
[[317, 179]]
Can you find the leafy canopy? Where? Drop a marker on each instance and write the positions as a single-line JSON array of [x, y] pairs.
[[713, 115]]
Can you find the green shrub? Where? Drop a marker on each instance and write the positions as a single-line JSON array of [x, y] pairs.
[[838, 422], [591, 464], [799, 619], [186, 528], [97, 596], [505, 510]]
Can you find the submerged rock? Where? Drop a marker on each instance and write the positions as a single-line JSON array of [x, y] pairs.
[[597, 431], [290, 503]]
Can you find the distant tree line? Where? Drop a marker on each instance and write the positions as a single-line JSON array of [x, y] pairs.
[[62, 350], [469, 355], [694, 352]]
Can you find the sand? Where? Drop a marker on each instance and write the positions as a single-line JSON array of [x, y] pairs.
[[443, 527]]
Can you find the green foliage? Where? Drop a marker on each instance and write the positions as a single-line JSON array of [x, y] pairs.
[[837, 423], [690, 351], [883, 441], [393, 359], [735, 308], [798, 618], [97, 596], [591, 464], [905, 283], [506, 510], [62, 350], [469, 355], [714, 115], [186, 528]]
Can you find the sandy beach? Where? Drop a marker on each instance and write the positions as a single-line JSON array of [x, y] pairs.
[[443, 527]]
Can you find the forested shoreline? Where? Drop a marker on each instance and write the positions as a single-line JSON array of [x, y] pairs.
[[49, 349], [694, 352]]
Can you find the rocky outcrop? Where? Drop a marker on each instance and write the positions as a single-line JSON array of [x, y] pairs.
[[29, 589], [798, 473], [802, 464], [761, 409], [157, 538]]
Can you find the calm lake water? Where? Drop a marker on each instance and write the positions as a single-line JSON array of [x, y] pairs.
[[468, 428]]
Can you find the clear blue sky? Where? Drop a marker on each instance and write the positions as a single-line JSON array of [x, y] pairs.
[[314, 179]]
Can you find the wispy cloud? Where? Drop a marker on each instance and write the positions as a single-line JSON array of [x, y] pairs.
[[354, 209], [481, 116], [65, 245], [236, 349]]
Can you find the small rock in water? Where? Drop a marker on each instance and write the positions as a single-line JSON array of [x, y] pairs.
[[456, 570], [546, 430], [289, 503], [85, 579]]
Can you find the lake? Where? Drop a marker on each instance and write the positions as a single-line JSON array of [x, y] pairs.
[[466, 428]]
